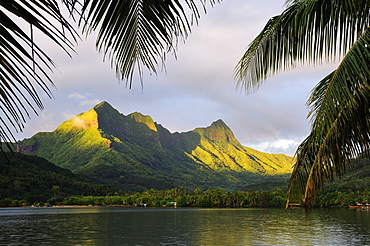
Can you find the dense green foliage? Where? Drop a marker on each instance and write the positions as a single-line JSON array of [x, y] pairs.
[[157, 198], [135, 153], [183, 198]]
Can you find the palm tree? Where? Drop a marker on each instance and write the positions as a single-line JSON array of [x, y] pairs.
[[310, 32], [132, 33]]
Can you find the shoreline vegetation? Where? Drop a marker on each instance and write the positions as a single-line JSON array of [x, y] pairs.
[[161, 198], [212, 198]]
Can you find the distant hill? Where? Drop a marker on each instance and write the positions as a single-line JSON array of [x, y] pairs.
[[356, 178], [135, 153], [34, 179]]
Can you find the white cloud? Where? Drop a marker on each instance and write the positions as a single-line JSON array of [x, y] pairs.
[[76, 96], [286, 146], [86, 99], [90, 102]]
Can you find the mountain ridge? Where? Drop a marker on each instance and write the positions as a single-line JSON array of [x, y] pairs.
[[134, 151]]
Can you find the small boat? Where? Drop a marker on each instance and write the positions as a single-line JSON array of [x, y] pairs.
[[360, 205], [355, 207]]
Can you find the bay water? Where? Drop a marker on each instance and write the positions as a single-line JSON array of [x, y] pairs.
[[182, 226]]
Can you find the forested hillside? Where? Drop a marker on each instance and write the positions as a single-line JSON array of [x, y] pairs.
[[29, 179]]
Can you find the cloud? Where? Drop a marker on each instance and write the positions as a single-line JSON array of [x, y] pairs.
[[76, 95], [197, 88], [90, 102], [86, 99], [286, 146]]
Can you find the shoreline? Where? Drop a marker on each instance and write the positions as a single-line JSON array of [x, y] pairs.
[[88, 206]]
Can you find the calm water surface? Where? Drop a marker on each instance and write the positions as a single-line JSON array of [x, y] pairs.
[[178, 226]]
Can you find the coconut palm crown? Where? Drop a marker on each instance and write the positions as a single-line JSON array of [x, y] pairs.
[[311, 32]]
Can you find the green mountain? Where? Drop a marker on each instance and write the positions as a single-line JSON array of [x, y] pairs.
[[135, 153]]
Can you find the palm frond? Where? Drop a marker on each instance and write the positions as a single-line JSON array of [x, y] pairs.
[[307, 32], [136, 34], [23, 64], [339, 111]]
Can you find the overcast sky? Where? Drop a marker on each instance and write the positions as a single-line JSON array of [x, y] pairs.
[[196, 89]]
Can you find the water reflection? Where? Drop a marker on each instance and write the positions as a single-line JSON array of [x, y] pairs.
[[151, 226]]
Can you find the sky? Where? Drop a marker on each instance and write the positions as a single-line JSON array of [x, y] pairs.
[[195, 89]]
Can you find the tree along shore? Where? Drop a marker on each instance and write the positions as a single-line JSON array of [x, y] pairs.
[[213, 198]]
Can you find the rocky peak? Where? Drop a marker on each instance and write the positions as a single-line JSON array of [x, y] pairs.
[[218, 131], [145, 119]]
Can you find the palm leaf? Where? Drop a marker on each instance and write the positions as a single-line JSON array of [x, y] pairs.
[[136, 33], [23, 64], [340, 118], [307, 32], [130, 32]]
